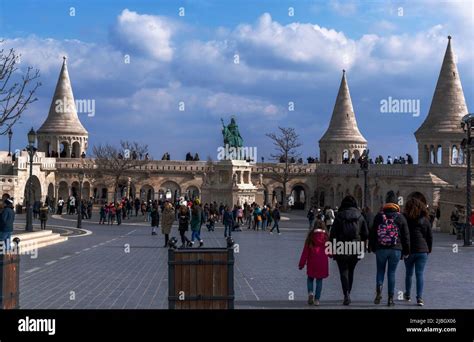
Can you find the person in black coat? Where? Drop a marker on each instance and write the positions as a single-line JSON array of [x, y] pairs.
[[349, 228], [155, 219], [421, 242], [389, 238]]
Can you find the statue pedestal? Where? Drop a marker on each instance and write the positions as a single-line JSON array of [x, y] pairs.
[[231, 183]]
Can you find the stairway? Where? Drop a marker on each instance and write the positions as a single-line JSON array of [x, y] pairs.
[[38, 239]]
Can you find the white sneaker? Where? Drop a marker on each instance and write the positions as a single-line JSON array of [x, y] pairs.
[[271, 233]]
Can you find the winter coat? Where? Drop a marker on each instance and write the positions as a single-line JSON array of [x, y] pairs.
[[329, 217], [6, 220], [155, 218], [391, 211], [421, 235], [345, 216], [315, 258], [276, 214], [43, 214], [167, 220], [183, 219], [228, 218], [196, 218]]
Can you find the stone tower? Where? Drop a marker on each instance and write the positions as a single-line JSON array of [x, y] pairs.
[[342, 138], [440, 135], [62, 131]]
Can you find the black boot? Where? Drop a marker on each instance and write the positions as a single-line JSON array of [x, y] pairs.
[[347, 299], [390, 301], [378, 295]]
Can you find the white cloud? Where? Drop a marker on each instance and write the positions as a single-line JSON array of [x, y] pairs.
[[149, 34]]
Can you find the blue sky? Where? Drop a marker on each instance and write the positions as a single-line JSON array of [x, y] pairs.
[[282, 59]]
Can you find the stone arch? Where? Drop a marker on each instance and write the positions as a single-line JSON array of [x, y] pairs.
[[147, 193], [35, 189], [356, 154], [439, 154], [63, 190], [100, 193], [324, 156], [346, 155], [300, 193], [171, 189], [50, 192], [86, 189], [277, 195], [192, 192], [75, 188], [64, 149], [76, 150]]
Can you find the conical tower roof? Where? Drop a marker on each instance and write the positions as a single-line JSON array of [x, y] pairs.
[[343, 124], [62, 117], [448, 105]]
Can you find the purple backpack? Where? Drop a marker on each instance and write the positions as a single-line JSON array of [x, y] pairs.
[[387, 231]]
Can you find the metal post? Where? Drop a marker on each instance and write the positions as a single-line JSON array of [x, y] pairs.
[[467, 228], [79, 208], [29, 211], [10, 134]]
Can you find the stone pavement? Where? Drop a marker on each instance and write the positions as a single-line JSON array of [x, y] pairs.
[[124, 267]]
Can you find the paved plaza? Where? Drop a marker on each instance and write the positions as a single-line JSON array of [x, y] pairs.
[[98, 271]]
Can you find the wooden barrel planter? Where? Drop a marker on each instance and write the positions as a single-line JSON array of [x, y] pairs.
[[9, 281], [201, 278]]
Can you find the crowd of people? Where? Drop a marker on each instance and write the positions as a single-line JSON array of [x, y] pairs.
[[408, 159], [391, 234]]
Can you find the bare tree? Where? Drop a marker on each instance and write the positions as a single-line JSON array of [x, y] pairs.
[[286, 144], [17, 89], [116, 163]]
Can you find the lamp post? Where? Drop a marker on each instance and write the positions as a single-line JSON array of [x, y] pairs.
[[31, 152], [79, 207], [10, 134], [364, 166], [467, 124]]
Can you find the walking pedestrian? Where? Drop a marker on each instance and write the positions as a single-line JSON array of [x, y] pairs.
[[349, 229], [421, 242], [228, 220], [103, 214], [316, 260], [155, 219], [183, 218], [43, 216], [111, 214], [118, 213], [7, 218], [311, 215], [60, 206], [167, 221], [328, 217], [196, 221], [389, 238], [276, 220]]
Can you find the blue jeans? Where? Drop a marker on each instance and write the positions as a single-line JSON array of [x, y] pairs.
[[5, 238], [196, 234], [275, 225], [311, 223], [319, 287], [391, 257], [415, 262], [227, 226], [264, 224]]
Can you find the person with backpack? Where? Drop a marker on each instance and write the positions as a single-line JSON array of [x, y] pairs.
[[276, 219], [349, 227], [421, 242], [389, 238], [316, 260]]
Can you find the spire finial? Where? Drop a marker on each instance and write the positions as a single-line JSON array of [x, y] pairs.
[[449, 37], [343, 71], [64, 59]]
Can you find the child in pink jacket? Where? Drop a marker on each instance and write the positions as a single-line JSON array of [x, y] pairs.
[[316, 261]]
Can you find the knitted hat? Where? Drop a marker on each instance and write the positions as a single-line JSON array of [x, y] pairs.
[[391, 197]]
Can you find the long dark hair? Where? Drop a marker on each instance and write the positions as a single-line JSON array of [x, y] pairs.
[[414, 209]]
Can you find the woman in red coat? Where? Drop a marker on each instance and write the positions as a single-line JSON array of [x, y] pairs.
[[316, 260]]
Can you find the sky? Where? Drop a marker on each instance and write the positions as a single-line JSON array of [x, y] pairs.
[[141, 61]]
